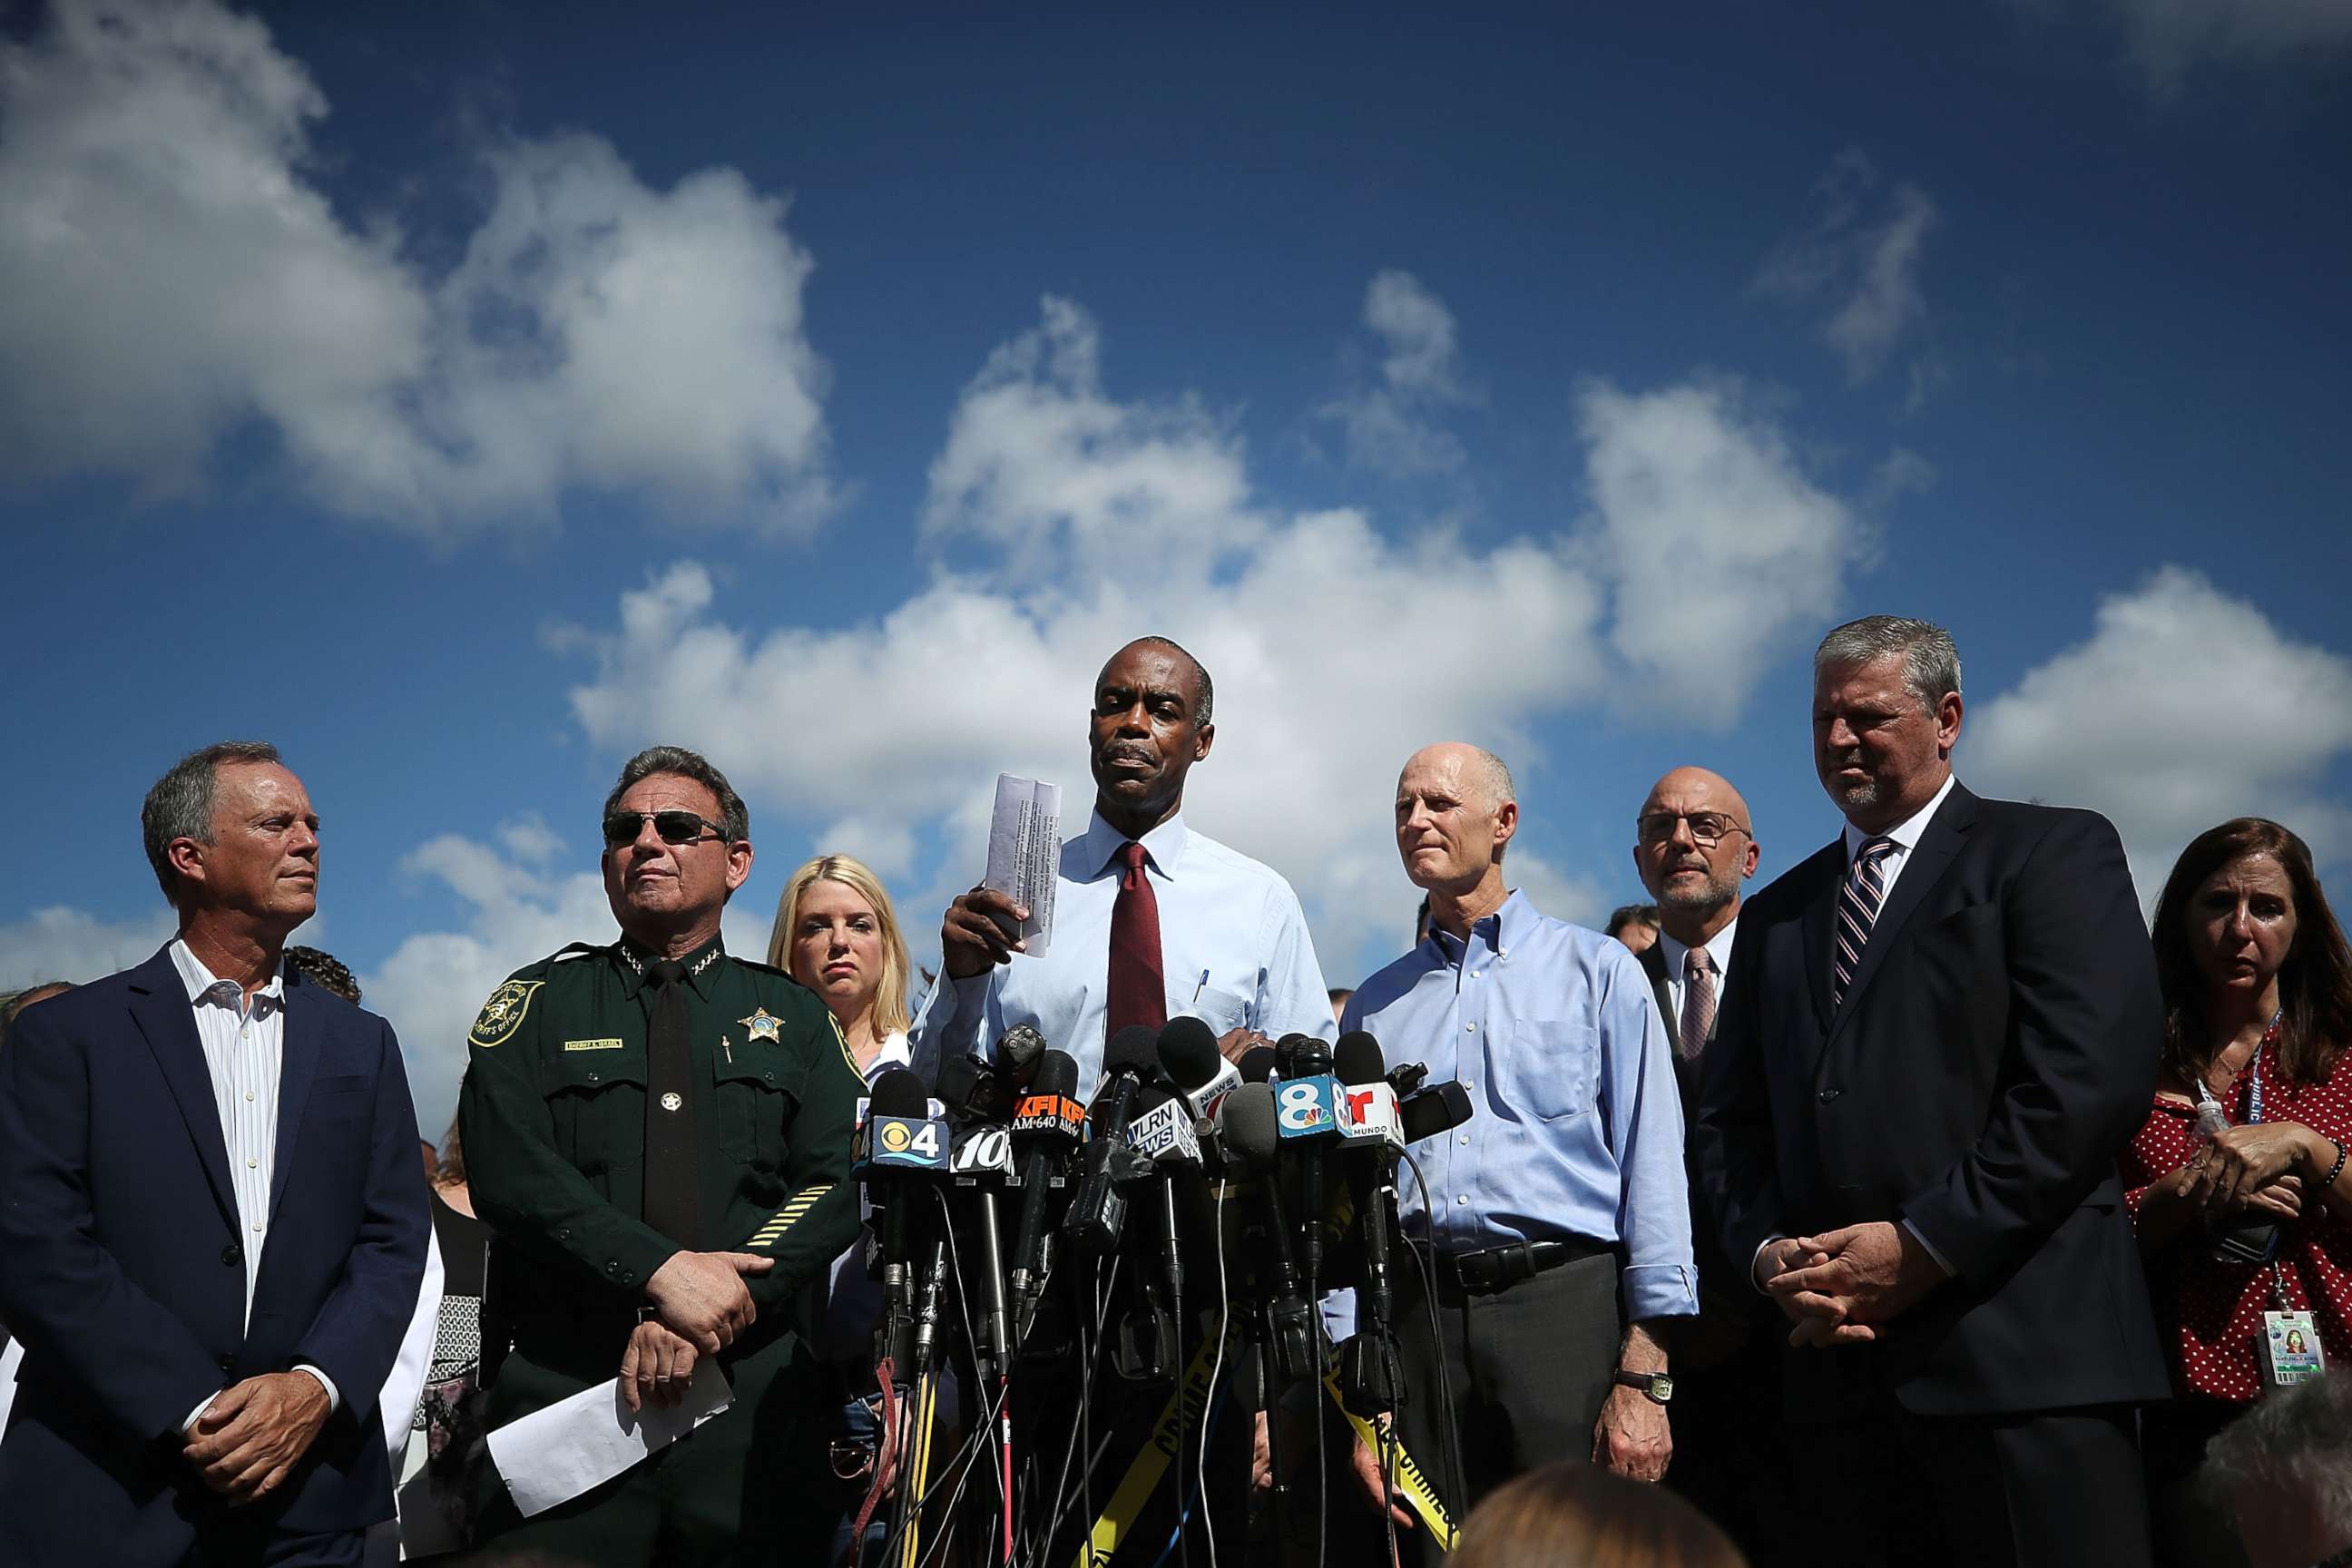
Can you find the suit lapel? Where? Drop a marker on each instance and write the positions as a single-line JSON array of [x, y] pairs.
[[159, 1007], [1653, 964], [1922, 869], [297, 1065], [1821, 910]]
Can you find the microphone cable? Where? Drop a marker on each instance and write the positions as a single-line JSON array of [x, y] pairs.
[[1216, 1368], [1449, 1447], [1063, 1497]]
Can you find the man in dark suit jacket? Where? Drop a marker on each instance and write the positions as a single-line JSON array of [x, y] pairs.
[[210, 1217], [1938, 1033], [1695, 846]]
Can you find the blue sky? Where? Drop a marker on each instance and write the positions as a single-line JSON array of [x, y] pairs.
[[463, 398]]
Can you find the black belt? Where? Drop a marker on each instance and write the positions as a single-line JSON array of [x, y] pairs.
[[1499, 1267]]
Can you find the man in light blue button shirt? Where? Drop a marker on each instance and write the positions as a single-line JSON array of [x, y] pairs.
[[1558, 1215]]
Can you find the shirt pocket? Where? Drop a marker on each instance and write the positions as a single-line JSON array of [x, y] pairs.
[[754, 1108], [596, 1103], [1221, 1010], [1548, 1067]]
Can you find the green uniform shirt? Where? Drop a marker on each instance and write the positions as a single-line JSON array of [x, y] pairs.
[[553, 1116]]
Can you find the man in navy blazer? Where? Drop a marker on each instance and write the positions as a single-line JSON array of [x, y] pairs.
[[211, 1221], [1936, 1035]]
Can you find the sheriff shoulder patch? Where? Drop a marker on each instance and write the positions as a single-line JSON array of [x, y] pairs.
[[501, 1015]]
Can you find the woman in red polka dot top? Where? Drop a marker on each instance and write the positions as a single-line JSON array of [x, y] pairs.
[[2258, 1011]]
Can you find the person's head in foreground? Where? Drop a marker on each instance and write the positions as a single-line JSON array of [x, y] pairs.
[[2284, 1468], [1570, 1515]]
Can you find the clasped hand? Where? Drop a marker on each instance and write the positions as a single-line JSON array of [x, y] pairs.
[[2248, 1167], [701, 1298], [254, 1433], [1842, 1287]]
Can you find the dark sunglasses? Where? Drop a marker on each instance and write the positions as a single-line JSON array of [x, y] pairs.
[[675, 827]]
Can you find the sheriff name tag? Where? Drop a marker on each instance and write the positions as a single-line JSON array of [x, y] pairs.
[[592, 1045]]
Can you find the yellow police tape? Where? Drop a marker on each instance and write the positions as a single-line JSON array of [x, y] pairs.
[[1142, 1478], [1188, 1406], [1404, 1475]]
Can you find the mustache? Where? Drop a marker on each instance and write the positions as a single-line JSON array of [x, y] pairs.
[[1128, 751]]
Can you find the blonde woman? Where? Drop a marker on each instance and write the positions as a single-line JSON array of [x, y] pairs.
[[838, 934]]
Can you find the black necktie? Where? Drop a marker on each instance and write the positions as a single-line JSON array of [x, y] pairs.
[[673, 1162]]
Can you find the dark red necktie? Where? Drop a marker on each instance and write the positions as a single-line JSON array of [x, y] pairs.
[[1138, 993]]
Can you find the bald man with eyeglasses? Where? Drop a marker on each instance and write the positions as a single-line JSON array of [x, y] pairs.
[[1694, 847]]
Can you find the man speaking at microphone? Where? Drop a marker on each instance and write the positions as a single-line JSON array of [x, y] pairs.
[[1559, 1216], [1150, 919]]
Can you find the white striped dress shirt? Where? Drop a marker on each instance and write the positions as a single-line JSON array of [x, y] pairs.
[[244, 1045]]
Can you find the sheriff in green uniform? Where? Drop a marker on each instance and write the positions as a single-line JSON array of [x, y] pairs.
[[659, 1133]]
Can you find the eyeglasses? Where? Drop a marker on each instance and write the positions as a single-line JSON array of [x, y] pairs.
[[674, 828], [1708, 827]]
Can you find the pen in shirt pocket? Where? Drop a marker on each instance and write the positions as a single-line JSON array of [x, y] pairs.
[[1198, 986]]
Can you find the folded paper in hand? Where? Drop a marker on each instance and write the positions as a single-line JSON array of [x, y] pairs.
[[551, 1456], [1025, 853]]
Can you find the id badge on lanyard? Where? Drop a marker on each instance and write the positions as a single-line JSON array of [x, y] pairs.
[[2289, 1341]]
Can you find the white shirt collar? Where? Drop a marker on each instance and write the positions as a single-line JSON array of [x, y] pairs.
[[1718, 952], [1163, 847], [1906, 834], [201, 981]]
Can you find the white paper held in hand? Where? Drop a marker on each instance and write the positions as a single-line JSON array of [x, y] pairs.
[[551, 1456], [1025, 853]]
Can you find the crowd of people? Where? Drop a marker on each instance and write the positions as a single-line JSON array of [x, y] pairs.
[[1928, 1206]]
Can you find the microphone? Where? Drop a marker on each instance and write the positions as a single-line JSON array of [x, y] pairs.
[[1435, 1111], [1257, 1063], [981, 1159], [1189, 1054], [1163, 1137], [1019, 1050], [1308, 1106], [1246, 1127], [1370, 1377], [1098, 1208], [898, 1139], [1046, 1125]]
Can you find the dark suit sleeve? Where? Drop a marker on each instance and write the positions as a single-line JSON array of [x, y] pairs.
[[356, 1336], [2084, 1027], [820, 1214], [61, 1292], [1737, 1163]]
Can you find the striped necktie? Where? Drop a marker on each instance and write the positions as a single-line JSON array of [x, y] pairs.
[[1859, 901], [1698, 1004]]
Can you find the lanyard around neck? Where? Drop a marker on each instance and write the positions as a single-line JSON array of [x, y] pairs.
[[2254, 1065]]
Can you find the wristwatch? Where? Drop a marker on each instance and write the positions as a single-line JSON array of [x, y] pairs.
[[1656, 1384]]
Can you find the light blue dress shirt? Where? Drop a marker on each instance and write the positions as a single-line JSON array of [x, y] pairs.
[[1234, 950], [1553, 1031]]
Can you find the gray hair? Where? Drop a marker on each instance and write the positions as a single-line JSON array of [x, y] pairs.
[[1500, 790], [1931, 664], [2295, 1442], [180, 804], [734, 818]]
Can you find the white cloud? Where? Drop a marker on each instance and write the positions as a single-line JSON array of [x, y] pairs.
[[62, 944], [1336, 651], [1392, 423], [2167, 36], [518, 907], [171, 270], [2185, 708], [1718, 540], [1865, 263]]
